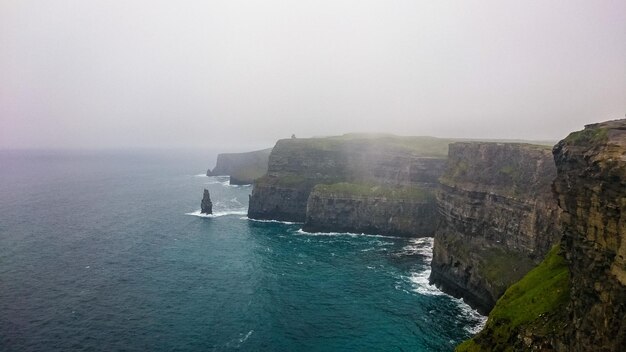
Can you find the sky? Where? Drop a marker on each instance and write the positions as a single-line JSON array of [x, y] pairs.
[[237, 74]]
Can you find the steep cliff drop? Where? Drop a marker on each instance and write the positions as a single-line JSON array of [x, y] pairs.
[[497, 218], [591, 189], [206, 206], [575, 300], [379, 184]]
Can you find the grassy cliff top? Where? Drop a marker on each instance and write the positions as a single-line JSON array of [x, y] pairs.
[[421, 146], [424, 146], [374, 191], [533, 304]]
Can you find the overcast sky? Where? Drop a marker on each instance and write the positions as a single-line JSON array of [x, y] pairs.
[[116, 74]]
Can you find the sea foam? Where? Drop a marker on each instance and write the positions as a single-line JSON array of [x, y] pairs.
[[302, 232], [421, 284], [272, 221], [217, 213]]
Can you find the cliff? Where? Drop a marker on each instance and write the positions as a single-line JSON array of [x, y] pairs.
[[498, 218], [363, 208], [243, 168], [297, 166], [591, 190], [587, 311]]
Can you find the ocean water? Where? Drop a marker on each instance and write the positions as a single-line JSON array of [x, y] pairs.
[[107, 252]]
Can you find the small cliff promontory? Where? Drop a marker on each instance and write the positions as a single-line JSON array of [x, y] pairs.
[[576, 299], [243, 168], [356, 183], [497, 218]]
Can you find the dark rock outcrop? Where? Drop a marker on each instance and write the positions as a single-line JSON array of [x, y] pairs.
[[296, 166], [206, 206], [243, 168], [498, 218]]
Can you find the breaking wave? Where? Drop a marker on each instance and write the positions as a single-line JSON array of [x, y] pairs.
[[420, 282], [217, 213], [302, 232], [272, 221]]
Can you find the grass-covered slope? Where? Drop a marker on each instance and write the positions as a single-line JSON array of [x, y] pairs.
[[531, 308]]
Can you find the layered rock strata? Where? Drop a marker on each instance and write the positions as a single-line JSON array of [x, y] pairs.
[[591, 190], [344, 207], [583, 305], [497, 218], [296, 166]]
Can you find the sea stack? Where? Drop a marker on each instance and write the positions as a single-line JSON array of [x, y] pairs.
[[206, 206]]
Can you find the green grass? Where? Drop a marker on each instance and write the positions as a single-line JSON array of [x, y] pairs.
[[370, 190], [534, 303], [420, 145], [251, 172], [588, 136]]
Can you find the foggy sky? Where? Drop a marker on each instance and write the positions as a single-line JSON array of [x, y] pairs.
[[238, 74]]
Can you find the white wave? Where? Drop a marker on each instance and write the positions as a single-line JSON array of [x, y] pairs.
[[214, 182], [226, 183], [420, 246], [243, 339], [235, 186], [421, 284], [302, 232], [478, 320], [217, 213], [200, 175], [272, 221], [419, 281]]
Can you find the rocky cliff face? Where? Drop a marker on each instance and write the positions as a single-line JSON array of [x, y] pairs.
[[243, 168], [591, 190], [498, 218], [296, 166], [402, 211], [576, 299]]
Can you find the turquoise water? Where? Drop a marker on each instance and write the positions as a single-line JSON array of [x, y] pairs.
[[99, 252]]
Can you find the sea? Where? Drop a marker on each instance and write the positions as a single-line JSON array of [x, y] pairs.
[[108, 251]]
